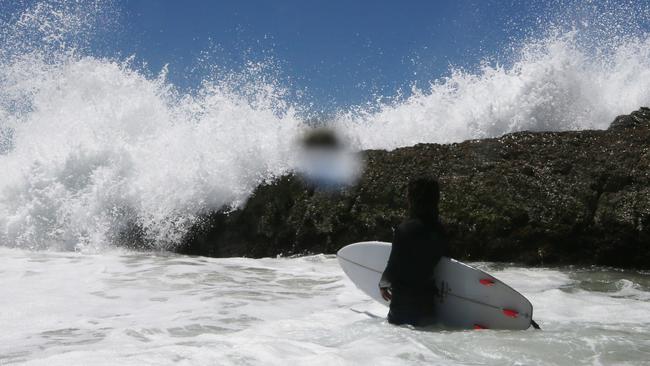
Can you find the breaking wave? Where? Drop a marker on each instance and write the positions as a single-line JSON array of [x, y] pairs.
[[91, 147]]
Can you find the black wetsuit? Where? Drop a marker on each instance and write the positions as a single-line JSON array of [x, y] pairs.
[[417, 247]]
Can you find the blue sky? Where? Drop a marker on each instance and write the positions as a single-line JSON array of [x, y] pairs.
[[339, 53]]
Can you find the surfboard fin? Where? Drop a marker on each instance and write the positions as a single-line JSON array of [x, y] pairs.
[[535, 325]]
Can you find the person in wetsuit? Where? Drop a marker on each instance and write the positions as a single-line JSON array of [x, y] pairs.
[[418, 244]]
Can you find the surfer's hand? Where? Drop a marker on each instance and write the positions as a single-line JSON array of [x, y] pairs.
[[385, 293]]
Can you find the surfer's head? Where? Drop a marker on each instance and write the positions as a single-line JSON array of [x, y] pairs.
[[423, 197]]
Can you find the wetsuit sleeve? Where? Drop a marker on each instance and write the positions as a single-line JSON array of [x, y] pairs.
[[391, 268], [444, 242]]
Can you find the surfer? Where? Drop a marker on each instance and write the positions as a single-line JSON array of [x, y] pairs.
[[418, 244]]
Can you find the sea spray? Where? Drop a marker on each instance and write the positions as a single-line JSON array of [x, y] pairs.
[[554, 85], [93, 147], [101, 138]]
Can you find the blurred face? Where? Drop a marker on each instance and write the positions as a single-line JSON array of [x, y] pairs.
[[325, 161]]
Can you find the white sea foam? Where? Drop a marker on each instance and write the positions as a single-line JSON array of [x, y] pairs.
[[90, 146], [146, 309]]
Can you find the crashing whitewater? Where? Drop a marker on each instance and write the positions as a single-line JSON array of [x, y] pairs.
[[90, 144]]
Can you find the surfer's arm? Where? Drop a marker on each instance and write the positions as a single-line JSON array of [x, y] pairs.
[[444, 242], [387, 277], [385, 285], [384, 282]]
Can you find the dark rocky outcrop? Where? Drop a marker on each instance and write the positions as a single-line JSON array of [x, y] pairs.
[[578, 197]]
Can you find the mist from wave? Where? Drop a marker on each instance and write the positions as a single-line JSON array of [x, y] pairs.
[[91, 147], [586, 63]]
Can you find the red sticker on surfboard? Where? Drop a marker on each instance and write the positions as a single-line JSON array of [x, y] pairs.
[[510, 313]]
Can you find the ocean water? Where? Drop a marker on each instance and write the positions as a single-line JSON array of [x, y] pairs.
[[91, 145], [157, 308]]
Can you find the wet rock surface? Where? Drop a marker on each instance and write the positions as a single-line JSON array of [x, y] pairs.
[[578, 197]]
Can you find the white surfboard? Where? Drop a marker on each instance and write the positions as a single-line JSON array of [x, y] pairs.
[[469, 298]]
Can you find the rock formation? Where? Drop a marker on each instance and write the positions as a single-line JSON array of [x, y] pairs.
[[580, 197]]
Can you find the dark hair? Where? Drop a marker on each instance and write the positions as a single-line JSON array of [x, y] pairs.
[[423, 198]]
